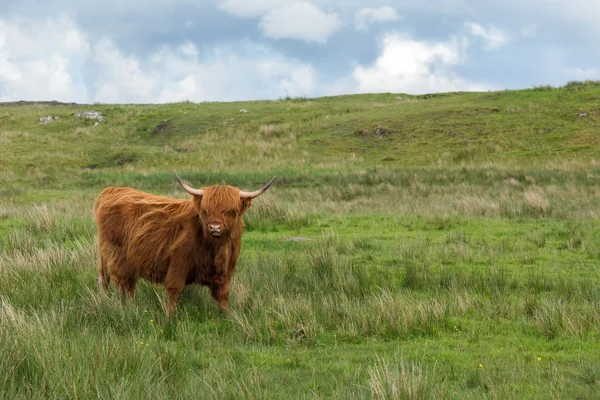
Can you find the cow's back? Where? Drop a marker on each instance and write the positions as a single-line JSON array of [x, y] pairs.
[[136, 229]]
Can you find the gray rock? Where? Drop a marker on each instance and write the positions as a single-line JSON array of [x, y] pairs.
[[90, 115], [45, 120], [243, 110]]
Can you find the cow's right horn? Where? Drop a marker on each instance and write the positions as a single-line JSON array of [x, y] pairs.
[[192, 191], [251, 195]]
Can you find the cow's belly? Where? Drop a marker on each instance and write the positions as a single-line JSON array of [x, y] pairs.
[[151, 269]]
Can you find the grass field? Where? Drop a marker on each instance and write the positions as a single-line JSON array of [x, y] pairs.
[[454, 249]]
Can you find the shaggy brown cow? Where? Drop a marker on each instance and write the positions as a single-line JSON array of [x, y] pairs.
[[175, 242]]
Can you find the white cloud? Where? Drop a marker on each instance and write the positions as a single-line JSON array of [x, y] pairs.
[[287, 19], [176, 73], [493, 37], [299, 20], [39, 59], [120, 78], [232, 73], [52, 60], [367, 16], [412, 66]]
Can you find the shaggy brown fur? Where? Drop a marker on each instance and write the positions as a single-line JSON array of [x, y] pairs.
[[169, 241]]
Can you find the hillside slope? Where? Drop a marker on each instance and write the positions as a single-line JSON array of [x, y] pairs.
[[534, 124]]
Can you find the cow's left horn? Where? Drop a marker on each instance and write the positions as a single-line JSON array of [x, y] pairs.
[[192, 191], [251, 195]]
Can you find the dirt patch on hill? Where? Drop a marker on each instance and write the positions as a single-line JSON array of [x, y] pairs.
[[163, 127]]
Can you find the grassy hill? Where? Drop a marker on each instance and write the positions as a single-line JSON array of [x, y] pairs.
[[454, 249]]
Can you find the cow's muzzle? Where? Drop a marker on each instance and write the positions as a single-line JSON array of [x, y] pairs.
[[215, 230]]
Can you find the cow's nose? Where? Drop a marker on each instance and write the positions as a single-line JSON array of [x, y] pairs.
[[214, 227]]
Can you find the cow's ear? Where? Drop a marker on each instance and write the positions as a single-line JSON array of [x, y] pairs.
[[246, 203]]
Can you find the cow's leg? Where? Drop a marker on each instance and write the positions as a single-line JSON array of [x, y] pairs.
[[130, 288], [174, 284], [125, 285], [220, 293], [179, 268], [174, 294], [122, 275]]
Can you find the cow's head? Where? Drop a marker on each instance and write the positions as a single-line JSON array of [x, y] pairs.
[[221, 207]]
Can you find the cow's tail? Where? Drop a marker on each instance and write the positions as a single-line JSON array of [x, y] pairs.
[[103, 277]]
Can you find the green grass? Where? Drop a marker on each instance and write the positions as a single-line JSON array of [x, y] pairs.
[[455, 256]]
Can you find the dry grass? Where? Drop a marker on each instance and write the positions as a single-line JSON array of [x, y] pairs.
[[404, 381], [270, 130], [535, 203]]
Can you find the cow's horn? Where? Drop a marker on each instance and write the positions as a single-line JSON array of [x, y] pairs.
[[251, 195], [192, 191]]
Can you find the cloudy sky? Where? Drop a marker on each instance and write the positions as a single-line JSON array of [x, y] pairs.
[[156, 51]]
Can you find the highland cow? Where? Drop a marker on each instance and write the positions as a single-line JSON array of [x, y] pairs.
[[169, 241]]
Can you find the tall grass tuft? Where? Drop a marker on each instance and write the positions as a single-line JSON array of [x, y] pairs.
[[401, 381], [535, 204]]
